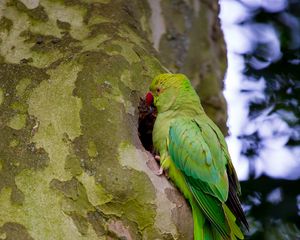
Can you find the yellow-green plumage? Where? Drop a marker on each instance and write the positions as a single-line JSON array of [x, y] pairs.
[[193, 151]]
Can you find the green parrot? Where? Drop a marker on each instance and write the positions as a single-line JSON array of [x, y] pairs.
[[193, 151]]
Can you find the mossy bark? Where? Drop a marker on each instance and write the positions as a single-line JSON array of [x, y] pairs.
[[71, 163]]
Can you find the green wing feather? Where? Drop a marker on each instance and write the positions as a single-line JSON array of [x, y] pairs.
[[233, 201], [196, 151], [191, 151], [230, 169], [211, 206]]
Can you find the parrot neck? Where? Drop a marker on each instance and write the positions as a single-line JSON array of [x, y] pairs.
[[189, 104], [186, 102]]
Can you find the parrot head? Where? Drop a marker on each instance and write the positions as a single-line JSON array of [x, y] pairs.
[[168, 91]]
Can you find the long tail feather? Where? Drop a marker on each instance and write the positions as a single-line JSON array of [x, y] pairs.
[[236, 233], [203, 230], [198, 218]]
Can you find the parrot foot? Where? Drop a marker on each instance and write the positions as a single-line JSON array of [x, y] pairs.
[[157, 157], [159, 172]]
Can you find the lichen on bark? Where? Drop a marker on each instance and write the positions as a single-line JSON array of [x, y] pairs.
[[71, 163]]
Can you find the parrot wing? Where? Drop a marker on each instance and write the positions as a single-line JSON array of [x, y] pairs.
[[195, 150], [230, 169], [233, 201]]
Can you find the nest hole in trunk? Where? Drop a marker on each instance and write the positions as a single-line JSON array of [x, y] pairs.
[[147, 116]]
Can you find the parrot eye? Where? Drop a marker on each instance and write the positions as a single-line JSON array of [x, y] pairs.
[[158, 90]]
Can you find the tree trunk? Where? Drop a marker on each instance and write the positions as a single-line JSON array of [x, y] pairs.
[[71, 74]]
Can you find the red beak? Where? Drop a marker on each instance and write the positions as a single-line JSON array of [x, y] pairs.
[[149, 98]]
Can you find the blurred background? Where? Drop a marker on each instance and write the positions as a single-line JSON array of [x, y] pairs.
[[262, 88]]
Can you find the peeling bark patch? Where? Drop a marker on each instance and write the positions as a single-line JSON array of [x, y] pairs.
[[48, 43], [111, 69], [92, 149], [41, 211], [34, 33], [126, 13], [16, 154], [80, 222], [71, 189], [127, 51], [96, 193], [98, 222], [118, 228], [22, 85], [37, 13], [16, 150], [75, 203], [114, 94], [63, 25], [132, 211], [13, 46], [70, 12], [182, 211], [17, 122], [72, 164], [5, 24], [131, 157], [30, 4], [13, 230], [17, 197], [57, 110]]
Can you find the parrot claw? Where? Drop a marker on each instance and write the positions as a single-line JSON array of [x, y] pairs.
[[159, 172], [157, 157]]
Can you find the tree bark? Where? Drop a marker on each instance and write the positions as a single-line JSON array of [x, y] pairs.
[[71, 74]]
